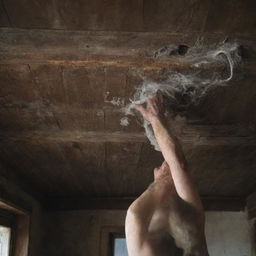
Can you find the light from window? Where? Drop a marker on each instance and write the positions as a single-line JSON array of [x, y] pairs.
[[5, 237], [120, 248]]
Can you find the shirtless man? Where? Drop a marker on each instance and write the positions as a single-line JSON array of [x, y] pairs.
[[170, 210]]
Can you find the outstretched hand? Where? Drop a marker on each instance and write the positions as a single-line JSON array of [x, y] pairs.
[[162, 171], [154, 109]]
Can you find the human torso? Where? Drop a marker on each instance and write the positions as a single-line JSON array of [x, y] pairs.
[[177, 220]]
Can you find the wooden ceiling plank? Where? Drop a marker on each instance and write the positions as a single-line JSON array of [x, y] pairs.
[[203, 135], [101, 48]]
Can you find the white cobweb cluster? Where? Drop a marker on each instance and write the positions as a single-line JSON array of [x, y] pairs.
[[183, 88]]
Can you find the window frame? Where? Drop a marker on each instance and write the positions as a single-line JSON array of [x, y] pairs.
[[108, 234], [113, 241], [7, 219], [18, 219]]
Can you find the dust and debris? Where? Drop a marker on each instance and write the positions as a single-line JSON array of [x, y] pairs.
[[124, 121], [182, 88], [116, 101], [100, 113]]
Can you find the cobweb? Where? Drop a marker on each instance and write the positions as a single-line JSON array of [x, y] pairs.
[[183, 88]]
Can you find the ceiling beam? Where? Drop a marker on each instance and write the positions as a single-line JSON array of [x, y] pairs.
[[94, 48], [87, 203], [190, 135]]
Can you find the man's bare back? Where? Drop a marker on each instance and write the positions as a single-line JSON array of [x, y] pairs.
[[170, 210]]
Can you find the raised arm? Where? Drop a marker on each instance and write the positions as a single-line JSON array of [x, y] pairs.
[[171, 151]]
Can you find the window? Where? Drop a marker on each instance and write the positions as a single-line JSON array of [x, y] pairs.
[[113, 242], [120, 248], [5, 239], [7, 221], [14, 230]]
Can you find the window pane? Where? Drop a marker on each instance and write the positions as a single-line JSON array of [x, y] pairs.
[[120, 248], [5, 236]]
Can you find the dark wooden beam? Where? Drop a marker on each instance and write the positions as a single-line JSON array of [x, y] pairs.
[[94, 48], [87, 203], [209, 135], [75, 136]]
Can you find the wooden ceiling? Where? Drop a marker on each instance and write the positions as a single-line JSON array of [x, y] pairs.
[[60, 139]]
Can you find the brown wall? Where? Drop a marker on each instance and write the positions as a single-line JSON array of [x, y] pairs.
[[77, 233], [36, 231]]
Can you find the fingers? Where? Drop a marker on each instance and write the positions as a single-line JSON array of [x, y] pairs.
[[156, 103], [160, 97], [141, 109], [154, 107], [156, 99], [150, 101]]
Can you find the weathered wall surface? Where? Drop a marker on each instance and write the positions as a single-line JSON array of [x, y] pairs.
[[228, 233], [77, 233]]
